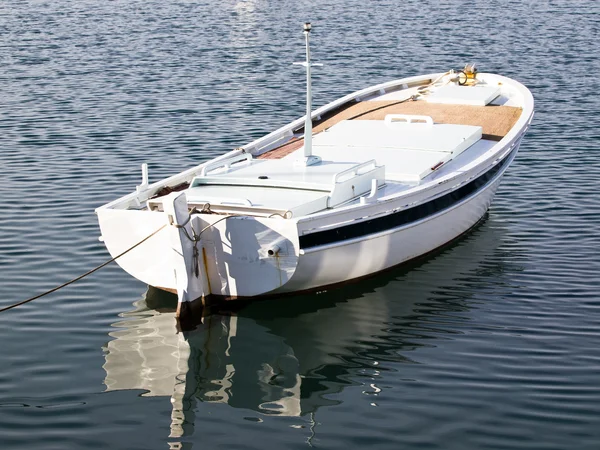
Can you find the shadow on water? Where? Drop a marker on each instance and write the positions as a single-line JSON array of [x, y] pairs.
[[288, 356]]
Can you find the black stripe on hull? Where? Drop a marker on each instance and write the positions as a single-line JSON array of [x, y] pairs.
[[403, 217]]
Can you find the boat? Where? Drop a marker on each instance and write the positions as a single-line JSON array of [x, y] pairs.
[[367, 182]]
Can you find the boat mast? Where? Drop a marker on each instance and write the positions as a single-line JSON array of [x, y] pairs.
[[308, 159]]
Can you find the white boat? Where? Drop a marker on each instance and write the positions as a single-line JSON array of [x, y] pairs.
[[367, 182]]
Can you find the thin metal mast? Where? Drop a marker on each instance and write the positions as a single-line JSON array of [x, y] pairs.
[[308, 159], [308, 122]]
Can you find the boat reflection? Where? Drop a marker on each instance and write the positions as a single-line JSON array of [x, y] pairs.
[[286, 356]]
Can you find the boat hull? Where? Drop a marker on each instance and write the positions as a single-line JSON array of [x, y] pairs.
[[338, 263], [319, 266], [369, 223], [357, 258]]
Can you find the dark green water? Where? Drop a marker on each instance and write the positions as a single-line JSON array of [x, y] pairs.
[[492, 344]]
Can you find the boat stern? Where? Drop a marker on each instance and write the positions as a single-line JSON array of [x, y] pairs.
[[198, 254]]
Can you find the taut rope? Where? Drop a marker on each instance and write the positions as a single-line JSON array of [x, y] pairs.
[[6, 308]]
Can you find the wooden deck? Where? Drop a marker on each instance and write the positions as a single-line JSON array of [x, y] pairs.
[[496, 121]]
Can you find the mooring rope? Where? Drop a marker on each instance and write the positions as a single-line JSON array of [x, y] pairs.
[[6, 308]]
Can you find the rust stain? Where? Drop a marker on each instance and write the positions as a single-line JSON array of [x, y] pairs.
[[206, 269], [171, 290], [278, 269]]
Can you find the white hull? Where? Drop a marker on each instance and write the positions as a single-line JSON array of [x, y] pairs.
[[317, 267], [249, 251], [334, 264]]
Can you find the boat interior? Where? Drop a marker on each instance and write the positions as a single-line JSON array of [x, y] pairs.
[[367, 148]]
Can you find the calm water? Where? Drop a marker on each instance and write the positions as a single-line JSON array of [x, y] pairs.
[[492, 344]]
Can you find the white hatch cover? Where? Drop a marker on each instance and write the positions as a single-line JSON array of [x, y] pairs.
[[409, 150], [464, 95], [398, 135]]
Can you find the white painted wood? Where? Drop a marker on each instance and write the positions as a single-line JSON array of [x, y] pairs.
[[479, 95], [408, 119], [225, 164], [378, 134], [189, 284], [302, 202], [121, 229], [409, 150], [336, 263], [238, 258], [259, 253], [355, 181], [144, 186], [287, 187]]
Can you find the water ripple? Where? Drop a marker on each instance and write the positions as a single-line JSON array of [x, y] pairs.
[[491, 344]]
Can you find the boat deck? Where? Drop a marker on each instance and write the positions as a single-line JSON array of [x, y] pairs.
[[377, 146], [495, 120]]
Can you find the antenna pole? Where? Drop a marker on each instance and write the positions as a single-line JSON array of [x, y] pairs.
[[308, 159], [308, 122]]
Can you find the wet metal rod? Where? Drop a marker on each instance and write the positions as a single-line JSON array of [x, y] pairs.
[[308, 122], [308, 158]]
